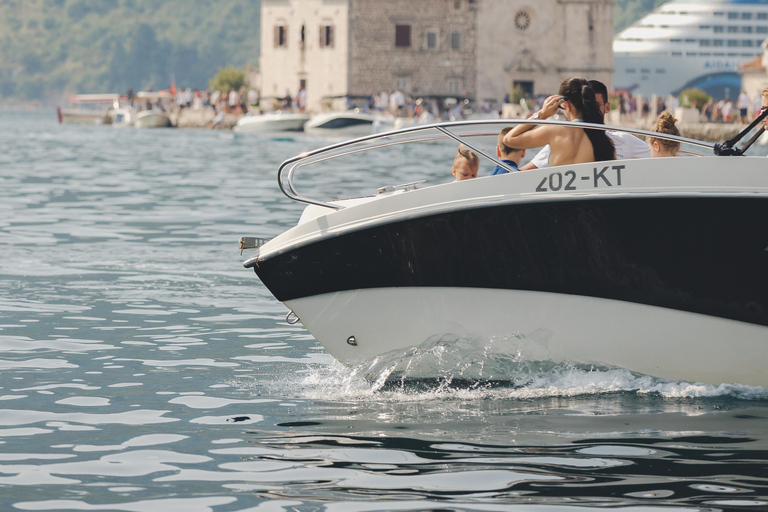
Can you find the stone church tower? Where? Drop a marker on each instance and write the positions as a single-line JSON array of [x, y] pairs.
[[474, 48]]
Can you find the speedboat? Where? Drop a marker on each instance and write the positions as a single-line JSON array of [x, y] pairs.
[[151, 119], [152, 109], [271, 122], [348, 123], [657, 265]]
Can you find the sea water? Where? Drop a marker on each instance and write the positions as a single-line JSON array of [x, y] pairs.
[[143, 368]]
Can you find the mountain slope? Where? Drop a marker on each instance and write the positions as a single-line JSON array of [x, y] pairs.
[[626, 12], [54, 47]]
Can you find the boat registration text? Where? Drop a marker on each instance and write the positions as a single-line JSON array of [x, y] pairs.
[[608, 176]]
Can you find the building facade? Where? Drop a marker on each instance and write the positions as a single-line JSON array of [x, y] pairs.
[[479, 49]]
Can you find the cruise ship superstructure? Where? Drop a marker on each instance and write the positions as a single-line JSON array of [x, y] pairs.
[[690, 44]]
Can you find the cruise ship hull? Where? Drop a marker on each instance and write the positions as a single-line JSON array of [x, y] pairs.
[[686, 44]]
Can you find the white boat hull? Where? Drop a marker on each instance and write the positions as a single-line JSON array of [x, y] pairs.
[[532, 326], [270, 123], [347, 124], [122, 117], [152, 119]]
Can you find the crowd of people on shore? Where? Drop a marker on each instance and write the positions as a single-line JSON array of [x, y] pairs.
[[724, 110]]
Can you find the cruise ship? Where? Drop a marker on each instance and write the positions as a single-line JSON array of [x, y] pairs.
[[688, 43]]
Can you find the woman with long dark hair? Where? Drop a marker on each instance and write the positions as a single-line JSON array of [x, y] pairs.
[[569, 145]]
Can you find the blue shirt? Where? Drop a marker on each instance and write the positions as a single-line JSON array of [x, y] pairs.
[[500, 170]]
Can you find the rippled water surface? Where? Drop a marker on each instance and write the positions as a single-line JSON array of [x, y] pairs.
[[142, 368]]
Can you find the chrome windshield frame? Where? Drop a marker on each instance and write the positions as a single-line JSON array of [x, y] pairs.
[[290, 167]]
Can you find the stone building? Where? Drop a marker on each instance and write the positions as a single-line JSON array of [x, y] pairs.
[[475, 48]]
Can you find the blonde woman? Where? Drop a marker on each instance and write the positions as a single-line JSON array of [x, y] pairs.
[[664, 147]]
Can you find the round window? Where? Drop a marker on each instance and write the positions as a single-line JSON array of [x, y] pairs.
[[522, 19]]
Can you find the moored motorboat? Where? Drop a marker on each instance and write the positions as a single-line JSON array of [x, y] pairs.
[[152, 119], [348, 123], [271, 122], [659, 266], [152, 109], [122, 115]]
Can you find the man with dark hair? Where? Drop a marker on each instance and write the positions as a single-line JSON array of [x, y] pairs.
[[510, 156], [627, 145]]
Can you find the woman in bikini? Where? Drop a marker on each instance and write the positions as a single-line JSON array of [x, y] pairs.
[[569, 145]]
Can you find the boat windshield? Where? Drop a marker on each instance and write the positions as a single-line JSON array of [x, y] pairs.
[[424, 153]]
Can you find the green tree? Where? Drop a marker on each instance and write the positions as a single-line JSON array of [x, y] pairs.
[[227, 78], [694, 97]]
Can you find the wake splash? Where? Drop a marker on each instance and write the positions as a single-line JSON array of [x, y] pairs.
[[461, 370]]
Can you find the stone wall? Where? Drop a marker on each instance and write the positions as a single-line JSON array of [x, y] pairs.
[[324, 68], [542, 43], [377, 64]]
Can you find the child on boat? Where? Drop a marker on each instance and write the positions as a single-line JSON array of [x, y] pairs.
[[465, 164], [508, 155], [664, 147]]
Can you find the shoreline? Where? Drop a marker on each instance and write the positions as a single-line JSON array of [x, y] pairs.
[[203, 119]]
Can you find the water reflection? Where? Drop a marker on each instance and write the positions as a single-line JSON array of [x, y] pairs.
[[142, 368]]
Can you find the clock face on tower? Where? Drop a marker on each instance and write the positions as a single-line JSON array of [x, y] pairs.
[[522, 19]]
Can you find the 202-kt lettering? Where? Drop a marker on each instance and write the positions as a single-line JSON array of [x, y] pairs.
[[607, 176]]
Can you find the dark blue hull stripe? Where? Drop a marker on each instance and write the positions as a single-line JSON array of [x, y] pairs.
[[703, 255]]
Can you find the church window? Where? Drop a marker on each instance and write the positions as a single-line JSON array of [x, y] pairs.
[[326, 36], [522, 19], [402, 36], [431, 40], [281, 36], [456, 40]]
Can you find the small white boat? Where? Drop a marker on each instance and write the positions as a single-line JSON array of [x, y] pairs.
[[152, 119], [123, 115], [271, 122], [656, 265], [88, 109], [152, 109], [349, 123]]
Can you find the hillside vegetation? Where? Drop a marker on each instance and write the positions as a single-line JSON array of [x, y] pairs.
[[626, 12], [52, 48]]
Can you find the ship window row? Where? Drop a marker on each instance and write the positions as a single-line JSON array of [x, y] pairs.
[[659, 71], [730, 42], [729, 15], [733, 29], [707, 54], [719, 29], [715, 42]]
